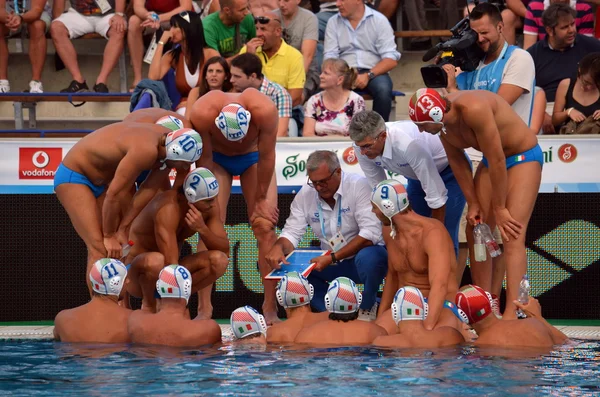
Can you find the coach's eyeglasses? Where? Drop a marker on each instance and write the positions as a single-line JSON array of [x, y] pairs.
[[322, 182], [368, 146]]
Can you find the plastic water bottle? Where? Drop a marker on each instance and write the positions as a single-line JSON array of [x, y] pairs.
[[126, 248], [479, 246], [483, 235], [523, 297]]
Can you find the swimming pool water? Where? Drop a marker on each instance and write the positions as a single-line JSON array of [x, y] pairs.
[[33, 368]]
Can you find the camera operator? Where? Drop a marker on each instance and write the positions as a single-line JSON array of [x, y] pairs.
[[505, 69]]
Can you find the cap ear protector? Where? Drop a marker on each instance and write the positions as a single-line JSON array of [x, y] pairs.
[[342, 296], [107, 276], [294, 290], [174, 281]]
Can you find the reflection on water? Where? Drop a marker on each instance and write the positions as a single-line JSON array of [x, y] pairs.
[[50, 369]]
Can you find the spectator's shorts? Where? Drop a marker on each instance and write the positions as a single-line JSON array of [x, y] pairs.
[[462, 235], [45, 17], [78, 24]]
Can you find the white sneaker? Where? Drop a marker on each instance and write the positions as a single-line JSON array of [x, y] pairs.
[[4, 86], [368, 315], [36, 87]]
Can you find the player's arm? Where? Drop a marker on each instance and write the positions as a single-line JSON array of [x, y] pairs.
[[166, 222], [267, 139], [438, 261], [461, 170], [203, 124], [533, 309], [389, 289], [212, 231], [294, 229]]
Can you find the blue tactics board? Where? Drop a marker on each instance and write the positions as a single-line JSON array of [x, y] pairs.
[[299, 262]]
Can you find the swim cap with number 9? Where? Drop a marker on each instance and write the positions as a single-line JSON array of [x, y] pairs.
[[426, 105], [233, 122], [174, 281], [200, 184], [184, 144], [390, 197]]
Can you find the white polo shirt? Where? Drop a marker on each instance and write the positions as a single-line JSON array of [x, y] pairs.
[[353, 206], [412, 154]]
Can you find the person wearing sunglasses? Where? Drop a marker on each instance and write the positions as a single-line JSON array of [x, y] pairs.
[[337, 206], [228, 30]]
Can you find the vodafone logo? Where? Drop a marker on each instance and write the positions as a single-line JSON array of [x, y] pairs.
[[39, 163], [567, 153], [349, 156]]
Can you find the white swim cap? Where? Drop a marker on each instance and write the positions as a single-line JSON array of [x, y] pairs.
[[170, 122], [246, 321], [233, 121], [391, 198], [184, 144], [294, 290], [342, 296], [200, 184], [108, 276], [174, 281], [408, 304]]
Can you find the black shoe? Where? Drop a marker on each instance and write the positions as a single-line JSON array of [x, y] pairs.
[[76, 86], [101, 88]]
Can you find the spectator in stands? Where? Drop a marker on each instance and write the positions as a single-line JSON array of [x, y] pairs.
[[206, 7], [534, 28], [36, 19], [226, 31], [512, 16], [215, 76], [148, 16], [186, 58], [82, 18], [246, 72], [330, 111], [282, 63], [556, 57], [365, 40], [327, 10], [579, 98], [301, 31]]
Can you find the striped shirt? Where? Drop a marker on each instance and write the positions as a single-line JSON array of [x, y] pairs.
[[584, 21], [278, 95]]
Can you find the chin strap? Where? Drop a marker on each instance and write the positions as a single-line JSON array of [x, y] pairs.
[[163, 165], [393, 232]]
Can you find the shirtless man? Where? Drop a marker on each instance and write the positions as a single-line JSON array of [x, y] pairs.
[[342, 328], [506, 183], [162, 227], [294, 294], [239, 133], [534, 331], [409, 304], [249, 326], [101, 320], [171, 325], [421, 255], [116, 155]]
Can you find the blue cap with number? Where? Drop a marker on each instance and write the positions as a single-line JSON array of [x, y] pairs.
[[200, 184], [174, 281], [108, 276]]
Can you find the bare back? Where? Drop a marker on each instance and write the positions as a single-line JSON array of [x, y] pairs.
[[515, 135], [529, 332], [421, 338], [207, 108], [332, 332], [97, 155], [152, 115], [101, 322], [287, 331], [169, 329]]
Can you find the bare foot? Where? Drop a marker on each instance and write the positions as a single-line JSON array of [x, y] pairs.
[[204, 313], [271, 318]]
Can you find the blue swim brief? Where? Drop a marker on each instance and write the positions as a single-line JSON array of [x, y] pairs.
[[533, 154], [236, 165], [66, 175], [141, 178]]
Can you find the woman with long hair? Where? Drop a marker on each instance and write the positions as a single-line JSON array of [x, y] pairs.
[[330, 111], [186, 58], [216, 76]]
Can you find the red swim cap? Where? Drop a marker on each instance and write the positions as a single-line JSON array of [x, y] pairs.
[[426, 105], [473, 300]]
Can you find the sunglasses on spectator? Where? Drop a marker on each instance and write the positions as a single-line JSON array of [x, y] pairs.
[[264, 20], [322, 182], [185, 15]]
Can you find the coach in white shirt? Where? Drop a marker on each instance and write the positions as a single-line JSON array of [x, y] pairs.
[[337, 206], [399, 148]]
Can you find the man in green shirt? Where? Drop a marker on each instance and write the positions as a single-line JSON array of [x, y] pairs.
[[228, 30]]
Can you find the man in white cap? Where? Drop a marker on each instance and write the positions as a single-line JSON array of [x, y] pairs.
[[294, 294], [249, 326], [102, 319], [342, 328], [239, 132], [421, 255], [171, 325], [102, 167], [408, 312], [160, 229]]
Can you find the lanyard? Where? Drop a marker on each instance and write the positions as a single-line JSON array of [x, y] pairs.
[[504, 48], [339, 219], [16, 4]]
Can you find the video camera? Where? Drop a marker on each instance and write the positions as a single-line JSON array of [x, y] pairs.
[[461, 50]]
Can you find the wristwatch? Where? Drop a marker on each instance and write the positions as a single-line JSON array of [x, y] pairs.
[[334, 259], [371, 75]]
